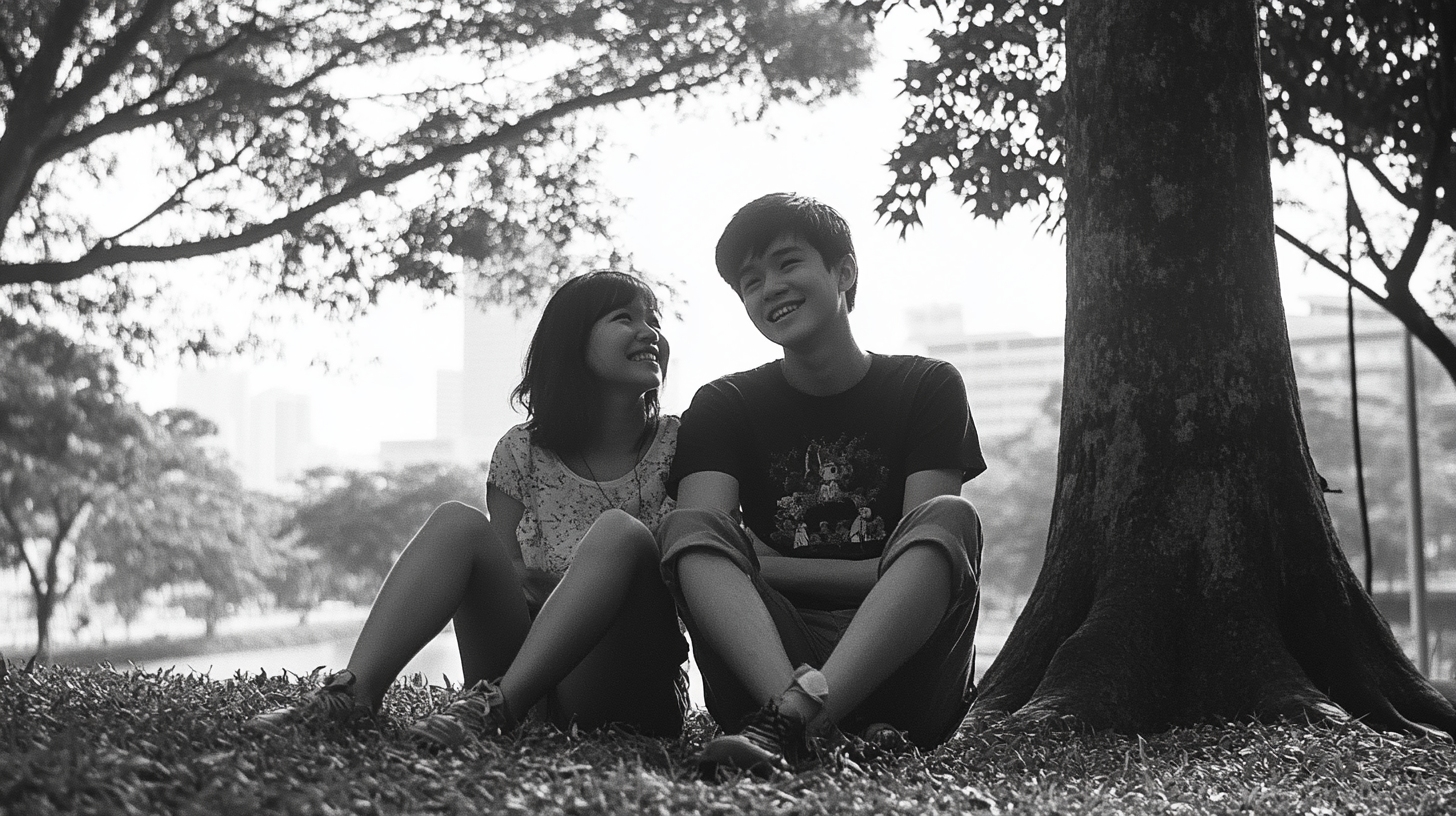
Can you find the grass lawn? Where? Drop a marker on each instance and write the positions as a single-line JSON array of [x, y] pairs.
[[85, 741]]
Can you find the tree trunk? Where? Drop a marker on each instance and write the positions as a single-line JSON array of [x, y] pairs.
[[1192, 573], [45, 608]]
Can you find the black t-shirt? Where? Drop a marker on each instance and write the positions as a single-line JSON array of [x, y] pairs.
[[824, 477]]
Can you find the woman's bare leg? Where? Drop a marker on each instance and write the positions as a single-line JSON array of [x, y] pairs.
[[610, 598], [455, 566]]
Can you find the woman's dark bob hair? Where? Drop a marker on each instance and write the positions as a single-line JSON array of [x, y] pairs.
[[559, 393]]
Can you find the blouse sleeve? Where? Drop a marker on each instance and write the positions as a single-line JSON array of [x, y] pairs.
[[508, 464]]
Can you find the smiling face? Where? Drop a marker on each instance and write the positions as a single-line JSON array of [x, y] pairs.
[[626, 347], [791, 295]]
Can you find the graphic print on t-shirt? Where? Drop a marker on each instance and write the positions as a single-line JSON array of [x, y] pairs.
[[827, 504]]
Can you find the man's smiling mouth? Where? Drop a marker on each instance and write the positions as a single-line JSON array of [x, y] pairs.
[[786, 309]]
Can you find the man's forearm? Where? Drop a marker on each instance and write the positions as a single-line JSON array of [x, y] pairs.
[[831, 580]]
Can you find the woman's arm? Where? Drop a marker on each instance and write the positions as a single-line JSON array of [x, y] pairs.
[[505, 512]]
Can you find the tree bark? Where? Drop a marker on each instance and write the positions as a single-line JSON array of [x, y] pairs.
[[1192, 573]]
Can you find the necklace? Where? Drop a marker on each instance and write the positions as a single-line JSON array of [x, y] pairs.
[[636, 478]]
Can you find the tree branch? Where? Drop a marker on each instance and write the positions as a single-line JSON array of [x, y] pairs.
[[11, 66], [68, 526], [1403, 195], [107, 254], [1356, 216], [177, 195], [1319, 258], [39, 78], [9, 515], [120, 122], [184, 67], [128, 118], [98, 74], [1430, 200]]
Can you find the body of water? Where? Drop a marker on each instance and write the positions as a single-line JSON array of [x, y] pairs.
[[438, 660]]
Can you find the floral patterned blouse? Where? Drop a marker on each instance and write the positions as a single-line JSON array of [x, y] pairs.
[[561, 505]]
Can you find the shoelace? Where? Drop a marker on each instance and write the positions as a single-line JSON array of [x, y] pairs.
[[470, 711], [335, 702], [768, 728]]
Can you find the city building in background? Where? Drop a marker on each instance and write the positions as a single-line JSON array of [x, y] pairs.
[[1011, 377], [1319, 341], [496, 339], [473, 406], [267, 436]]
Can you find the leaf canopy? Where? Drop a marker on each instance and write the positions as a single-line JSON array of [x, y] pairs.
[[332, 149]]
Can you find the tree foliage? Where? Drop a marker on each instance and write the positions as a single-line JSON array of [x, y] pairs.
[[350, 526], [1370, 81], [184, 521], [68, 441], [341, 147]]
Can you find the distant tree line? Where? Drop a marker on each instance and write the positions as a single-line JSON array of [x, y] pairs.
[[90, 484]]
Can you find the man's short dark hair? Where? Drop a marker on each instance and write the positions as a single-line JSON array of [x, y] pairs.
[[764, 220]]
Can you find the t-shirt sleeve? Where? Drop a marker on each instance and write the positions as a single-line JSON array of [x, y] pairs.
[[709, 438], [942, 433], [508, 464]]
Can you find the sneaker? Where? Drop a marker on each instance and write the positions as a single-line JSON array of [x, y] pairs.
[[768, 743], [885, 737], [333, 703], [477, 711]]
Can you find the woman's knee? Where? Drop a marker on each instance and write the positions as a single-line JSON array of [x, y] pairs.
[[456, 514], [621, 534], [455, 525]]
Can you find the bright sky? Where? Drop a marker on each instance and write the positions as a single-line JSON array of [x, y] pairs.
[[682, 180]]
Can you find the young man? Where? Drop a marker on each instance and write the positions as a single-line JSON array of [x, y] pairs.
[[821, 554]]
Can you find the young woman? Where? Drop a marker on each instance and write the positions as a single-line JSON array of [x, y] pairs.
[[572, 495]]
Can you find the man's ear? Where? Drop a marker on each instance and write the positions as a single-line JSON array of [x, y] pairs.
[[847, 271]]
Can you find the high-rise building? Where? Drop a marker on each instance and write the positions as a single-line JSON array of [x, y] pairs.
[[268, 437], [281, 439], [1320, 345], [220, 395], [449, 408], [496, 339], [1010, 377]]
